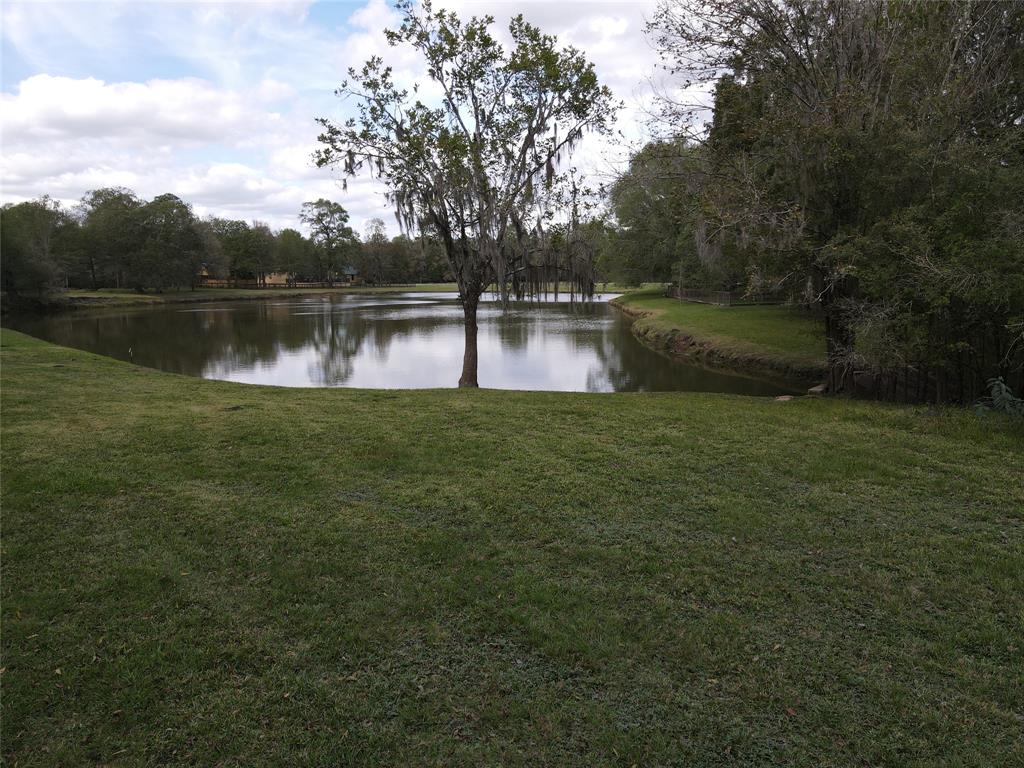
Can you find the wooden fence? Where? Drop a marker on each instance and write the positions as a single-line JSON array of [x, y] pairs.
[[720, 298], [252, 283]]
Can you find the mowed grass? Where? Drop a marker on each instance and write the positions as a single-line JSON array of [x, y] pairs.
[[206, 573], [776, 331]]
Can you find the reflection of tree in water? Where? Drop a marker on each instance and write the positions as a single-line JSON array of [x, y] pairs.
[[216, 341], [251, 338], [626, 365], [514, 327], [328, 337], [581, 326], [524, 323], [611, 371], [337, 337], [172, 340], [245, 339]]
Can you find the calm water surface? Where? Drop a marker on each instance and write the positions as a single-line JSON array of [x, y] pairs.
[[401, 341]]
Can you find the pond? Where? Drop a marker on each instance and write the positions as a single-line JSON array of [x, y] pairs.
[[385, 341]]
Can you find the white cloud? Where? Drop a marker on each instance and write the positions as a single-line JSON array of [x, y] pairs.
[[185, 111], [216, 102], [611, 34]]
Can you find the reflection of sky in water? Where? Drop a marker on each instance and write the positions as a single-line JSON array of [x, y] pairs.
[[388, 341], [432, 359]]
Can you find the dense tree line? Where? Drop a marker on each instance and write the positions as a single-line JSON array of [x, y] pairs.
[[652, 205], [864, 158], [114, 239]]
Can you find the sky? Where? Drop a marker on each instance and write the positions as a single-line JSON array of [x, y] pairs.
[[216, 101]]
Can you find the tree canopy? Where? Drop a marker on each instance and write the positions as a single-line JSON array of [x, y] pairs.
[[330, 232], [867, 157], [29, 234]]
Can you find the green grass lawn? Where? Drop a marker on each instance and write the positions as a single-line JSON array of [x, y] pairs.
[[206, 573], [776, 331]]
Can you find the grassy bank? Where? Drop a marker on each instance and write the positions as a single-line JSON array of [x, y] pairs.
[[772, 340], [200, 573]]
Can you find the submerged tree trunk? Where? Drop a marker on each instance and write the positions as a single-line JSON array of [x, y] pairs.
[[469, 356]]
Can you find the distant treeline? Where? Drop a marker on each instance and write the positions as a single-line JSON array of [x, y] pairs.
[[114, 239]]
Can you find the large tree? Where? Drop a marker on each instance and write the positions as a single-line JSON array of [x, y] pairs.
[[233, 236], [466, 165], [249, 250], [261, 249], [869, 153], [173, 247], [110, 233], [294, 254], [656, 203], [29, 244], [374, 259], [334, 240]]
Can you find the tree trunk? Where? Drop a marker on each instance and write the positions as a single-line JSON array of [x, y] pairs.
[[838, 337], [469, 357], [838, 341]]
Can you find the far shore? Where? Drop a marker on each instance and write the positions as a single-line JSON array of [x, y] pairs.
[[77, 298]]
